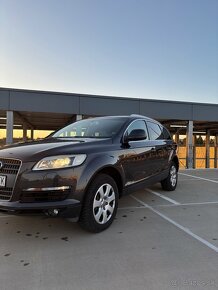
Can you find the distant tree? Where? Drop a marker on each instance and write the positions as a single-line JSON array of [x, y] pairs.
[[212, 141], [199, 141], [182, 142]]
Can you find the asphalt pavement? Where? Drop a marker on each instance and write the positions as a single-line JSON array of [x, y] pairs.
[[159, 240]]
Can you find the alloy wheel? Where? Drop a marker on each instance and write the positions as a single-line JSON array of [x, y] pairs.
[[173, 175], [104, 204]]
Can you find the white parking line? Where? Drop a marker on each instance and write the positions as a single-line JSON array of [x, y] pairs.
[[184, 229], [192, 179], [163, 196], [187, 179], [171, 205], [197, 177], [190, 203], [130, 207]]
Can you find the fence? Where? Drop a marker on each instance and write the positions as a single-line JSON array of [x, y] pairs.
[[199, 157]]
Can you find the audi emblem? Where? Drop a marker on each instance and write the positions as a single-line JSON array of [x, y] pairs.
[[1, 164]]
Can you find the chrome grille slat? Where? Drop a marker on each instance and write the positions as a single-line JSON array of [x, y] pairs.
[[11, 166]]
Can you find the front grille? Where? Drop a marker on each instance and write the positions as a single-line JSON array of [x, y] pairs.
[[43, 196], [10, 167]]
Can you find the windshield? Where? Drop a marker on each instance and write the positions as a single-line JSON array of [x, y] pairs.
[[92, 128]]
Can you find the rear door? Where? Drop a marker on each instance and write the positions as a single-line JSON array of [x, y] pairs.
[[160, 145]]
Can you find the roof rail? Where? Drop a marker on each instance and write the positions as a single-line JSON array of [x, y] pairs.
[[136, 115]]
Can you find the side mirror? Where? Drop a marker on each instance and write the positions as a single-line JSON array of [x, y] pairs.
[[135, 135]]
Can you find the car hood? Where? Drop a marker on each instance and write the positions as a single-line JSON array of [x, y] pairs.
[[35, 150]]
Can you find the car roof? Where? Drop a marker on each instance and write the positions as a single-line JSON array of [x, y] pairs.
[[136, 116]]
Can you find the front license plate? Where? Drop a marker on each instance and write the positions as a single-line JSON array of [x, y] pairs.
[[2, 181]]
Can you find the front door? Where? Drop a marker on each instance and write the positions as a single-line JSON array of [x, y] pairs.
[[138, 156]]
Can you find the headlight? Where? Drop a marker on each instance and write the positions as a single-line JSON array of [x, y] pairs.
[[62, 161]]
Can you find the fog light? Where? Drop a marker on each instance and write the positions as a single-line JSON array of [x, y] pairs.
[[56, 211], [52, 212]]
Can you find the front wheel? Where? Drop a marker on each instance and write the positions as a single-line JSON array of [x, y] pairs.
[[100, 204], [170, 182]]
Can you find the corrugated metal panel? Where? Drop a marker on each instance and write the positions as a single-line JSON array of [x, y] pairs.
[[166, 110], [4, 99], [205, 112], [52, 102], [108, 106], [43, 102]]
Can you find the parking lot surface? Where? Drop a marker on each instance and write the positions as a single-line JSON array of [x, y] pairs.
[[159, 240]]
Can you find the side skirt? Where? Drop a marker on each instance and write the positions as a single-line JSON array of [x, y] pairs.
[[145, 183]]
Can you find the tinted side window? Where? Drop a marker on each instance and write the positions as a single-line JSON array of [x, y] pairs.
[[140, 124], [154, 131]]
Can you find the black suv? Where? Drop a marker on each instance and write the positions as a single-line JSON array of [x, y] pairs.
[[83, 169]]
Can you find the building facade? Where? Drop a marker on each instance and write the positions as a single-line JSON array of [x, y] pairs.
[[39, 110]]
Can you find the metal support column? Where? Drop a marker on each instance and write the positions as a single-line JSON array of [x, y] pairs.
[[32, 134], [194, 151], [208, 149], [177, 138], [189, 145], [24, 132], [9, 127]]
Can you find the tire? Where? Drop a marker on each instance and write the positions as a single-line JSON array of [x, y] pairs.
[[100, 204], [170, 182]]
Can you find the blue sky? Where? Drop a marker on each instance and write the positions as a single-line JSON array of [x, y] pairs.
[[155, 49]]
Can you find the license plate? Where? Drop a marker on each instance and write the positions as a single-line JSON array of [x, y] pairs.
[[2, 181]]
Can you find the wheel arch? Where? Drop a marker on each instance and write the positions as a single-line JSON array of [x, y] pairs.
[[114, 173]]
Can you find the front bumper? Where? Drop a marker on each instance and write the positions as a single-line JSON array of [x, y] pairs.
[[67, 208], [29, 191]]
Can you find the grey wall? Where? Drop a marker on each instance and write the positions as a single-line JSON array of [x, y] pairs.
[[108, 106], [37, 101], [42, 102], [4, 100], [205, 112], [166, 110]]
